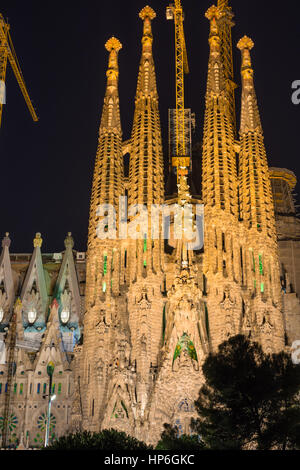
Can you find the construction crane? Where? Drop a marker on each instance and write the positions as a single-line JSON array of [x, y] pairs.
[[7, 52], [181, 160], [226, 24]]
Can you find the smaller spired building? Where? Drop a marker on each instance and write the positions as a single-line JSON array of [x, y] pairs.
[[40, 322], [288, 234]]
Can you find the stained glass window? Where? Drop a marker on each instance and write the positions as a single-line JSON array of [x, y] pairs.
[[59, 389], [0, 388], [21, 389], [261, 268], [105, 265], [44, 388], [38, 388], [15, 388]]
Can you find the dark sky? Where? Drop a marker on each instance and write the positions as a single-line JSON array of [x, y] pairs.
[[46, 168]]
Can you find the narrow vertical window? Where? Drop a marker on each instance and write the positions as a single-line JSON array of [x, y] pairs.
[[253, 262], [0, 388], [21, 389], [15, 388], [261, 268], [125, 259], [206, 320], [59, 389], [53, 389], [105, 265], [262, 287], [44, 389], [38, 388], [164, 322], [104, 287]]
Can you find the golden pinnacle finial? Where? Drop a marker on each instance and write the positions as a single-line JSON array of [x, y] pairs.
[[245, 43], [147, 12], [38, 241], [113, 44], [213, 12]]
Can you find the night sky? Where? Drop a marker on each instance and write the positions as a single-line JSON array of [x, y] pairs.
[[47, 167]]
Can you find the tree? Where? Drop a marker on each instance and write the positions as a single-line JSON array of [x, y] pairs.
[[250, 399], [108, 440], [170, 441]]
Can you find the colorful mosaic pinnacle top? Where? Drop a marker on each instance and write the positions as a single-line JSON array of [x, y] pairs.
[[113, 44], [147, 12], [245, 43], [213, 12]]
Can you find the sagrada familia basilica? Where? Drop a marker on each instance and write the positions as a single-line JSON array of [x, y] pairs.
[[128, 324]]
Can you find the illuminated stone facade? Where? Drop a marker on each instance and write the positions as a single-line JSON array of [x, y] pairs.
[[129, 325]]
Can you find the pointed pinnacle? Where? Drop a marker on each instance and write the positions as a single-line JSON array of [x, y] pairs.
[[147, 12], [113, 44], [69, 241], [38, 241], [245, 43], [6, 240]]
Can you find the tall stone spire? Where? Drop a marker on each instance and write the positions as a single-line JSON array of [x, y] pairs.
[[226, 23], [102, 300], [146, 185], [219, 166], [221, 251], [256, 201], [107, 187], [108, 173], [261, 257], [145, 298]]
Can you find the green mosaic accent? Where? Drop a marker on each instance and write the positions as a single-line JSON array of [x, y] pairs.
[[115, 415], [262, 287], [261, 268], [42, 422], [185, 344], [12, 422], [105, 265]]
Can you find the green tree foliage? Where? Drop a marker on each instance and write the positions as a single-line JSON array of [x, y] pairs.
[[108, 440], [170, 441], [250, 399]]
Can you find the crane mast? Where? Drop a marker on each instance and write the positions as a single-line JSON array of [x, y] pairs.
[[181, 160], [7, 53]]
